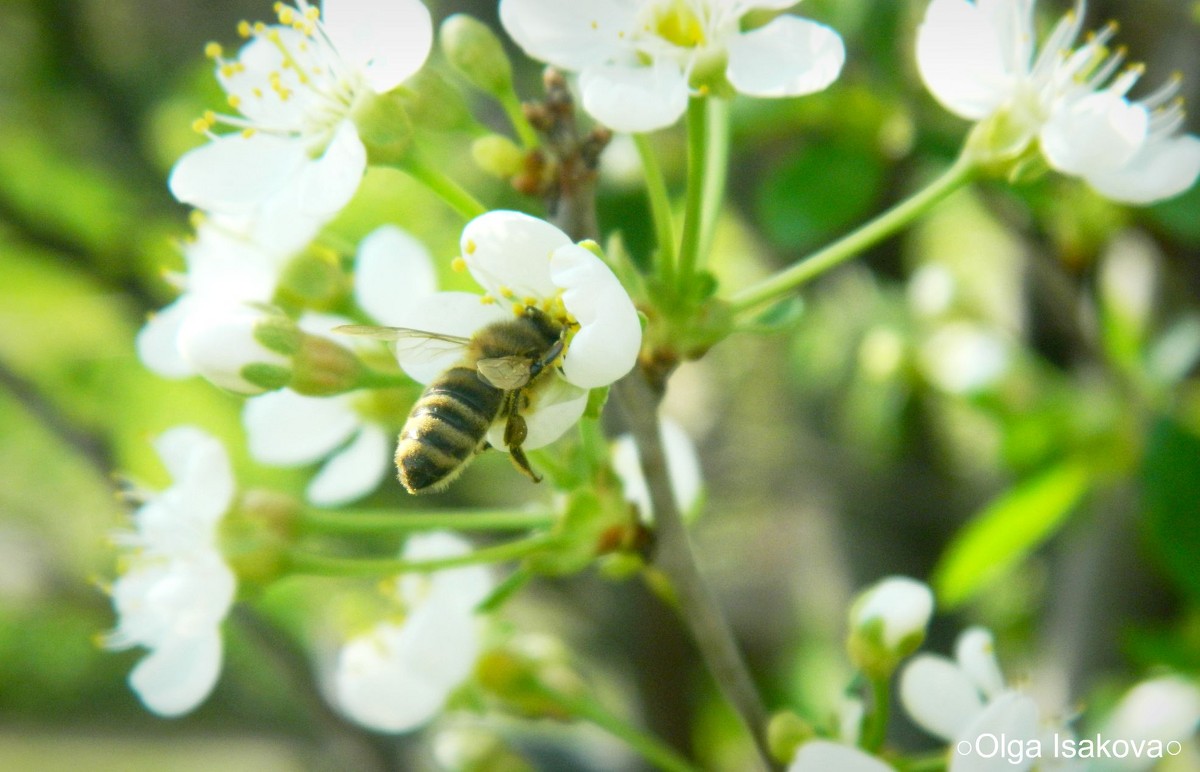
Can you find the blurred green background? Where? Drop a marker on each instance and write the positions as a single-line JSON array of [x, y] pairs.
[[1004, 400]]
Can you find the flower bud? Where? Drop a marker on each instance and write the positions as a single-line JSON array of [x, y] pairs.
[[477, 54], [384, 127], [786, 732], [244, 348], [887, 623], [322, 367], [498, 155]]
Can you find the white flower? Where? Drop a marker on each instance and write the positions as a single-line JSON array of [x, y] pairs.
[[683, 469], [398, 676], [979, 60], [392, 271], [901, 605], [523, 261], [296, 85], [638, 60], [225, 344], [825, 756], [962, 700], [962, 357], [230, 261], [177, 588]]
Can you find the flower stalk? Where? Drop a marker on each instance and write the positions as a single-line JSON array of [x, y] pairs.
[[441, 185], [362, 522], [304, 562], [660, 209]]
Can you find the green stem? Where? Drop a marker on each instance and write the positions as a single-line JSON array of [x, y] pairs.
[[398, 521], [693, 213], [875, 730], [717, 165], [647, 746], [891, 221], [660, 209], [516, 115], [302, 562], [445, 188]]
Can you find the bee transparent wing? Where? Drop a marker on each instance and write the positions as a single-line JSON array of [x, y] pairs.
[[412, 346], [505, 372]]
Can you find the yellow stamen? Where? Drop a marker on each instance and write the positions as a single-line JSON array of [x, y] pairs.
[[458, 265], [487, 300], [213, 50], [507, 293], [243, 29], [469, 247], [518, 309]]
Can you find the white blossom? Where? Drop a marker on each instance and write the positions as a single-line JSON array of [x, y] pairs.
[[979, 60], [523, 261], [176, 588], [902, 605], [1162, 709], [639, 60], [296, 85], [961, 700], [398, 676]]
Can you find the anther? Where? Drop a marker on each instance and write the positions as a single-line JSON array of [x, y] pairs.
[[212, 50], [458, 265]]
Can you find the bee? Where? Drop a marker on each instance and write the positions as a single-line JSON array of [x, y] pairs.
[[449, 422]]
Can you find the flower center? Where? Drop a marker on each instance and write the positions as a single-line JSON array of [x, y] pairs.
[[676, 21], [288, 80]]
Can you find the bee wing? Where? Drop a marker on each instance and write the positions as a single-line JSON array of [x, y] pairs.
[[415, 346], [505, 372]]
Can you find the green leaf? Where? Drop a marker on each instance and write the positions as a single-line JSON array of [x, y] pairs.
[[1007, 530], [818, 193], [1171, 498]]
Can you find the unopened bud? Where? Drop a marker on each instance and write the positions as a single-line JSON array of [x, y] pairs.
[[322, 367], [244, 348], [887, 623], [785, 733], [384, 126], [477, 54], [498, 155]]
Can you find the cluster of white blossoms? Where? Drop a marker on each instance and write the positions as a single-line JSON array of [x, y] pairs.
[[639, 61], [980, 61], [176, 588]]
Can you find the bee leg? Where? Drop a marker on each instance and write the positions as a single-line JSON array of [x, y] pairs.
[[515, 431]]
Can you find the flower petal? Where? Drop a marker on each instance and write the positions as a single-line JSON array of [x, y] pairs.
[[976, 655], [823, 756], [1164, 168], [963, 54], [199, 466], [902, 604], [157, 342], [328, 183], [179, 675], [392, 270], [284, 428], [389, 40], [609, 338], [633, 98], [353, 471], [463, 587], [570, 35], [789, 56], [938, 696], [234, 173], [509, 253], [1094, 134]]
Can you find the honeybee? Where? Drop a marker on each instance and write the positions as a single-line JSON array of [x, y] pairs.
[[448, 424]]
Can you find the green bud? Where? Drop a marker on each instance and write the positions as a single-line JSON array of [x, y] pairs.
[[322, 368], [786, 732], [278, 333], [384, 126], [477, 54], [498, 155]]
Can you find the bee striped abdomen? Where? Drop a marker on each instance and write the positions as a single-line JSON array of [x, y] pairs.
[[445, 428]]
